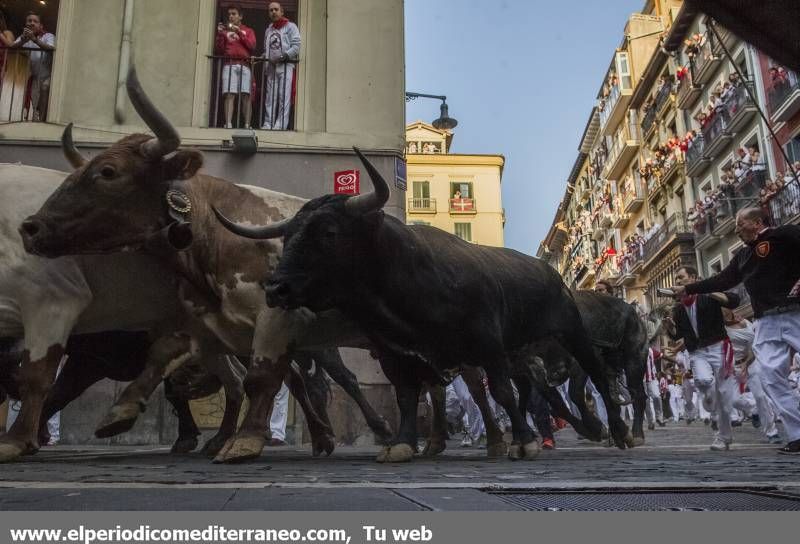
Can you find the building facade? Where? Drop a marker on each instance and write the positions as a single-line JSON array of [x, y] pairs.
[[457, 193], [335, 104], [675, 147]]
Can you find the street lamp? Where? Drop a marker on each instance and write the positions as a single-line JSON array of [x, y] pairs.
[[444, 122]]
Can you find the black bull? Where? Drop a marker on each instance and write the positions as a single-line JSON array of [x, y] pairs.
[[426, 298]]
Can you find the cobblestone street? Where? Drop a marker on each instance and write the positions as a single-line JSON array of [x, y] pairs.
[[114, 478]]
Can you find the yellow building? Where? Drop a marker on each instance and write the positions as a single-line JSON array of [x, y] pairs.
[[454, 192]]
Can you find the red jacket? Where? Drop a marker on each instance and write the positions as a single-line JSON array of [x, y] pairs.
[[236, 45]]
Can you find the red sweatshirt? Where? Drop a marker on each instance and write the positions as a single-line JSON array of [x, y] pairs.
[[235, 45]]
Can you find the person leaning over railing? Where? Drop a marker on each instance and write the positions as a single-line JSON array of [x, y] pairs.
[[770, 270], [6, 40]]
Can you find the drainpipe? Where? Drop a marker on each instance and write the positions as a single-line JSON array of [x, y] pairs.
[[124, 62]]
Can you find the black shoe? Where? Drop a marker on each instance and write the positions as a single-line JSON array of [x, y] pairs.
[[661, 423], [714, 426], [755, 420], [689, 421], [651, 426], [736, 423], [792, 448], [706, 421]]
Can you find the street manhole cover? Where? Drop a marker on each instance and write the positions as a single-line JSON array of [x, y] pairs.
[[680, 500]]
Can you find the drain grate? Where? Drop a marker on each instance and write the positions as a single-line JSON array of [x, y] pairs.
[[650, 500]]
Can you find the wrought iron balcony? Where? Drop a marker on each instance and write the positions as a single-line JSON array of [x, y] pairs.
[[740, 107], [784, 98], [688, 92], [706, 61], [674, 228], [696, 159], [421, 205], [717, 133]]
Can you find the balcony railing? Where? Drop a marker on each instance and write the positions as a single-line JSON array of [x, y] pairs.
[[676, 224], [608, 106], [463, 205], [740, 107], [19, 100], [648, 122], [716, 133], [630, 263], [422, 205], [706, 61], [784, 207], [696, 161], [688, 92], [262, 93], [609, 269], [662, 98], [784, 98], [632, 193], [623, 149]]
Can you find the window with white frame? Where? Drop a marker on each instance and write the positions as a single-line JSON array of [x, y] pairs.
[[463, 231]]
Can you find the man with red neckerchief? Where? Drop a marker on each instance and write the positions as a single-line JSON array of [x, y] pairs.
[[698, 320], [769, 268], [282, 49]]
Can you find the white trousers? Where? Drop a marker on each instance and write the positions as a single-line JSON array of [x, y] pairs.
[[280, 410], [460, 404], [278, 104], [776, 336], [676, 401], [756, 402], [653, 409], [707, 371], [600, 406]]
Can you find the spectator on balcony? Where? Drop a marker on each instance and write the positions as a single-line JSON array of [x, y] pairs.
[[6, 40], [457, 194], [778, 76], [236, 43], [412, 148], [756, 164], [734, 79], [41, 45], [282, 48]]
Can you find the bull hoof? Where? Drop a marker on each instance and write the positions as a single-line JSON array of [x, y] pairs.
[[12, 449], [399, 453], [184, 445], [530, 450], [214, 445], [241, 447], [499, 449], [433, 447], [515, 452], [119, 420], [324, 443]]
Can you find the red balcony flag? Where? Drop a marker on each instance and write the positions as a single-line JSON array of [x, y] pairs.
[[347, 182]]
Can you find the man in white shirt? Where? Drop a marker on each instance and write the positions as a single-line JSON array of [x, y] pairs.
[[42, 44], [282, 49]]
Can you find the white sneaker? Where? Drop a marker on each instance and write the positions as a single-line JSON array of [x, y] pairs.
[[228, 125], [720, 445], [466, 442]]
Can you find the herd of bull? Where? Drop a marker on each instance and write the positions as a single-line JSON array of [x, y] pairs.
[[137, 267]]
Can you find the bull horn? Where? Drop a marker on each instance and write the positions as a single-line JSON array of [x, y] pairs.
[[361, 204], [273, 230], [71, 152], [166, 138]]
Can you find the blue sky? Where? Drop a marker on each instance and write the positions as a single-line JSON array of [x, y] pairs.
[[521, 78]]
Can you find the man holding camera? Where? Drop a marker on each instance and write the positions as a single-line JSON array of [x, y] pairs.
[[235, 42], [770, 270]]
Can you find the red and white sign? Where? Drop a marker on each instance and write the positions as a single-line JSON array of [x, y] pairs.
[[347, 182]]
